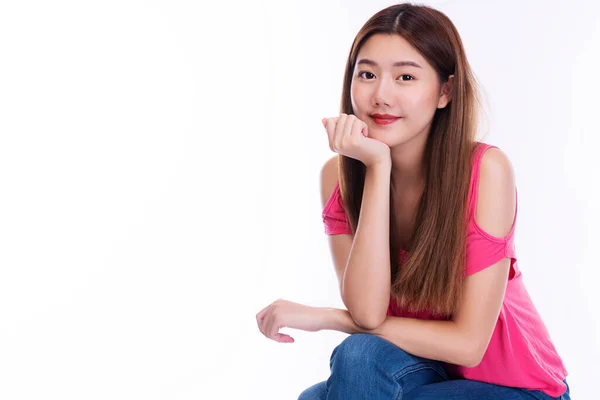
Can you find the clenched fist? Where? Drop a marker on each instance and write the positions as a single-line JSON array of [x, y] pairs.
[[349, 136]]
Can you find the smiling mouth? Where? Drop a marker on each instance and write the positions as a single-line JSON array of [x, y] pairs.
[[384, 121]]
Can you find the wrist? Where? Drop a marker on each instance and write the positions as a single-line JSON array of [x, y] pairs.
[[384, 165], [330, 319], [336, 319], [324, 315]]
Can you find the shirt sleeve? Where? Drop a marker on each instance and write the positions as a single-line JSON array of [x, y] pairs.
[[483, 249], [334, 214]]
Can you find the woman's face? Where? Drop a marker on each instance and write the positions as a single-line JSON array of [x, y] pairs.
[[391, 77]]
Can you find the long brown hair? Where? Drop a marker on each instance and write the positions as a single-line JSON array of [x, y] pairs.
[[431, 277]]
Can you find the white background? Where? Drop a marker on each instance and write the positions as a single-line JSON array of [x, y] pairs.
[[159, 185]]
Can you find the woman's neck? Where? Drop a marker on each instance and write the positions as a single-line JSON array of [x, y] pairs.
[[408, 166]]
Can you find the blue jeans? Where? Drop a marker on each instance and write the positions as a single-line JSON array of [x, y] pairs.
[[366, 366]]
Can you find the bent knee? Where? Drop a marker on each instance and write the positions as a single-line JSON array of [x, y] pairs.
[[360, 349]]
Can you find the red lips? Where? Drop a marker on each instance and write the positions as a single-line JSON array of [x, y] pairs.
[[384, 116]]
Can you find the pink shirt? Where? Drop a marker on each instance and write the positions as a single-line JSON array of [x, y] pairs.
[[520, 352]]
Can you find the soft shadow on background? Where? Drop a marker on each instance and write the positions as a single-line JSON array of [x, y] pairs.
[[159, 185]]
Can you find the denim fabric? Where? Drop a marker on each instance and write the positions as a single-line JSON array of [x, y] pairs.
[[366, 366]]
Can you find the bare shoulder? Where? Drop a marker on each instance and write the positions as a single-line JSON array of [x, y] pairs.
[[496, 198], [496, 158], [496, 170], [329, 177]]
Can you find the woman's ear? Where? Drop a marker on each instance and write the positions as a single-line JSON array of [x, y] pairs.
[[446, 92]]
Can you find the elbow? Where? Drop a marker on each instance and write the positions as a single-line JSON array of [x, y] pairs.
[[368, 321], [472, 362], [473, 357], [368, 315]]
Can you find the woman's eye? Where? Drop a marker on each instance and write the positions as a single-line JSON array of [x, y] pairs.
[[371, 75], [360, 74]]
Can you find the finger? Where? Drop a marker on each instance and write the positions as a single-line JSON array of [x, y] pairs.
[[331, 124], [261, 326], [324, 122], [283, 338], [339, 130], [280, 337], [262, 312], [339, 127], [269, 321], [350, 123], [272, 326], [260, 319], [359, 127]]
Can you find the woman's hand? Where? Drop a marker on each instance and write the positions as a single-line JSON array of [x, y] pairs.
[[283, 313], [349, 136]]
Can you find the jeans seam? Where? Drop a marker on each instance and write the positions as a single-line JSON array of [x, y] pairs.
[[400, 393], [417, 367], [414, 368]]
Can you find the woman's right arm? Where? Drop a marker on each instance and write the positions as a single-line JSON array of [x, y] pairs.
[[363, 262]]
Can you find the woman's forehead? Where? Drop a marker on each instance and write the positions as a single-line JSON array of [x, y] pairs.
[[389, 51]]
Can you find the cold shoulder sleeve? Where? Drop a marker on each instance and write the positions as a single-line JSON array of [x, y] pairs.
[[334, 214], [484, 249]]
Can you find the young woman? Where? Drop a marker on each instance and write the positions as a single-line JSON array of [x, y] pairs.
[[421, 219]]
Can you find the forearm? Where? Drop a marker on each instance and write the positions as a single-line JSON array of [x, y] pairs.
[[366, 282], [435, 340]]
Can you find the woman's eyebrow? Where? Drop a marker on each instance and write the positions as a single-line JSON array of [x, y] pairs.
[[396, 64]]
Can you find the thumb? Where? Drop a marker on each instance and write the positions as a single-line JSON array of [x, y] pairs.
[[324, 122]]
